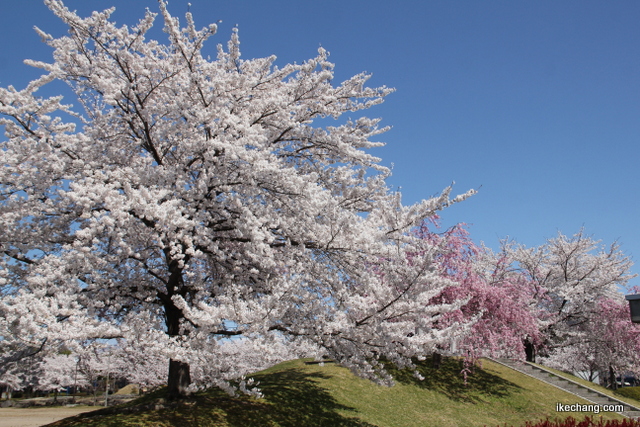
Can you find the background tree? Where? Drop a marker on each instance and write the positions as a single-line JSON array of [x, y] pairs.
[[608, 345], [570, 277], [197, 200], [59, 372]]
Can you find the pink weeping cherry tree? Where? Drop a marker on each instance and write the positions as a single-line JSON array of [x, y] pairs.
[[496, 298]]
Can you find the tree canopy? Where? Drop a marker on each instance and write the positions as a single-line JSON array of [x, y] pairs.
[[185, 201]]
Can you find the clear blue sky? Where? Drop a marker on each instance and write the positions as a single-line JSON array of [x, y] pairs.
[[536, 102]]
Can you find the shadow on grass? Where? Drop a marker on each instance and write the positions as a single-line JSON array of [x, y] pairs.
[[297, 400], [448, 380], [292, 399]]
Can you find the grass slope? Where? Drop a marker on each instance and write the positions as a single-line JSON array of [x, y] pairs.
[[299, 393]]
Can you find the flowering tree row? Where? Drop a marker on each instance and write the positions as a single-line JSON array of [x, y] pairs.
[[561, 300]]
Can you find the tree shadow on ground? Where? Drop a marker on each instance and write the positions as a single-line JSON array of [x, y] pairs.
[[449, 380], [292, 398], [298, 400]]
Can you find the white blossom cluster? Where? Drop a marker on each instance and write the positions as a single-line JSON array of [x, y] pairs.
[[196, 200], [569, 276]]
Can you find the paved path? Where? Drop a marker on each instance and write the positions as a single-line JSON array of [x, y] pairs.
[[587, 393], [35, 417]]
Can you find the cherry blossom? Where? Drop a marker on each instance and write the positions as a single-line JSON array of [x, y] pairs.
[[187, 200], [570, 278]]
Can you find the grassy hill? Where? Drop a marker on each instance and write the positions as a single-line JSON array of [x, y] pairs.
[[299, 393]]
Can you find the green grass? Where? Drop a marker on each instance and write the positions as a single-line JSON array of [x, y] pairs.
[[299, 394]]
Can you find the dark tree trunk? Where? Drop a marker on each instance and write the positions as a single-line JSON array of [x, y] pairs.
[[179, 373], [612, 378], [436, 360], [529, 351], [179, 379]]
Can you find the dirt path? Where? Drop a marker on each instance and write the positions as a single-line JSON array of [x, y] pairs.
[[35, 417]]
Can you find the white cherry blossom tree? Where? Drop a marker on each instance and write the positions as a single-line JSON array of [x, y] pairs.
[[188, 200], [569, 278], [608, 344], [60, 371]]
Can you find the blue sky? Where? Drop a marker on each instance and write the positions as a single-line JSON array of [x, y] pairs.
[[536, 103]]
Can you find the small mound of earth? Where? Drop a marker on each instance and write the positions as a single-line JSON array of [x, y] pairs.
[[129, 389]]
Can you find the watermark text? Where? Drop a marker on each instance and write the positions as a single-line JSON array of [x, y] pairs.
[[593, 408]]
